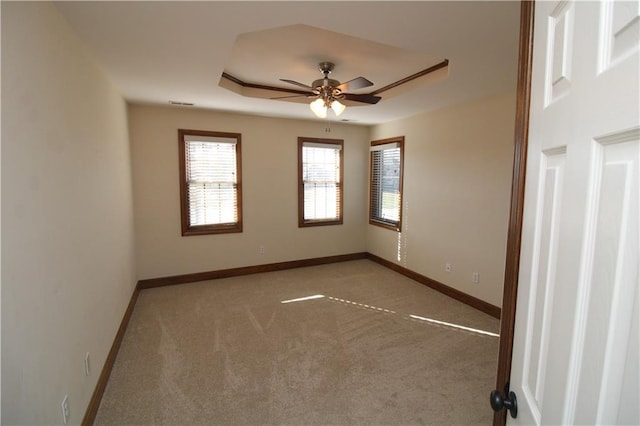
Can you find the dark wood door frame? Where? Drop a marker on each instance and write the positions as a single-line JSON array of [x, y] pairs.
[[512, 262]]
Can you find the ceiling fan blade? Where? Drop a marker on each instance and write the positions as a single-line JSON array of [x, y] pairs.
[[364, 98], [355, 84], [308, 95], [297, 84]]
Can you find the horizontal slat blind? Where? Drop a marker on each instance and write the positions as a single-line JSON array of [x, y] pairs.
[[321, 181], [385, 183], [211, 181]]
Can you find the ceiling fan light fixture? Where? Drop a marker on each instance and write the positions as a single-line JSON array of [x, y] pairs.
[[337, 107], [327, 91], [318, 107]]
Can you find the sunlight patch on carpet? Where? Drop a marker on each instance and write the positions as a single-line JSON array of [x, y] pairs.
[[302, 299], [375, 308], [362, 305], [460, 327]]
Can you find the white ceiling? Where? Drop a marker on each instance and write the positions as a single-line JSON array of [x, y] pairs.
[[160, 51]]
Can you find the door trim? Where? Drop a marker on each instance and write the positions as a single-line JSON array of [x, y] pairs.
[[512, 262]]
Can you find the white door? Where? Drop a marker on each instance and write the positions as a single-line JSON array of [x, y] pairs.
[[575, 354]]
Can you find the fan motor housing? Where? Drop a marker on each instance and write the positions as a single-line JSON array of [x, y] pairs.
[[321, 82]]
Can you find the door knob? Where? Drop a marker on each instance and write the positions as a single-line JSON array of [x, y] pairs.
[[510, 402]]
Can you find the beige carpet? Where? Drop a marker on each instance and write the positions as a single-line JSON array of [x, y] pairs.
[[230, 352]]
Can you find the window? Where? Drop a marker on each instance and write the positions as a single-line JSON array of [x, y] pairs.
[[210, 182], [385, 198], [319, 181]]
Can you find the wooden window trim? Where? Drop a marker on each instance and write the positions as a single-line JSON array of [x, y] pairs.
[[187, 228], [319, 222], [398, 226]]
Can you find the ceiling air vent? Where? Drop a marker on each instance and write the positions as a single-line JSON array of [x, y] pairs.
[[181, 103]]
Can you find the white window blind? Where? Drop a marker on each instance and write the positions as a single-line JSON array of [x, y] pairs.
[[210, 182], [386, 183], [321, 181]]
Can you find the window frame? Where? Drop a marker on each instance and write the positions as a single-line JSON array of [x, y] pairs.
[[395, 226], [340, 184], [217, 228]]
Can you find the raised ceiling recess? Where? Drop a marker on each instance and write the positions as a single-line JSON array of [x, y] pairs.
[[294, 52]]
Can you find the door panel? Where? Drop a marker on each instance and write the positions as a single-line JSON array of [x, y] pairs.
[[613, 283], [541, 291], [620, 28]]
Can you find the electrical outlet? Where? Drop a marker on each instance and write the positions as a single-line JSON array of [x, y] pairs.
[[476, 278], [87, 364], [447, 267], [65, 409], [261, 249]]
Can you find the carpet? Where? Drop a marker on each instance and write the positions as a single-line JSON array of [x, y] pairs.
[[341, 344]]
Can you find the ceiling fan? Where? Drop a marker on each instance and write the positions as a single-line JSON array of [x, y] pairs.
[[328, 92]]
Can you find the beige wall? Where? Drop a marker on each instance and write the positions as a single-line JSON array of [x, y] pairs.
[[67, 220], [457, 182], [269, 176], [456, 194]]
